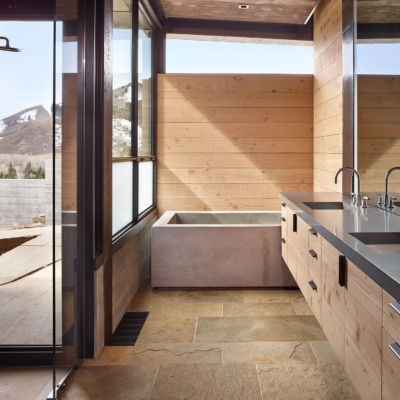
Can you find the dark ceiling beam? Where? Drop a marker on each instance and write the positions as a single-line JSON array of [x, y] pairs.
[[27, 10], [244, 29], [378, 31]]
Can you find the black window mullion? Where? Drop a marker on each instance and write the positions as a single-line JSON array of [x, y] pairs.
[[134, 110]]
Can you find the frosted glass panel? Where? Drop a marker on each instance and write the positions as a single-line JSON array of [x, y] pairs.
[[145, 185], [122, 199]]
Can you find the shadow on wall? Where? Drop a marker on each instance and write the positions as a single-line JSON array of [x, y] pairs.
[[233, 142]]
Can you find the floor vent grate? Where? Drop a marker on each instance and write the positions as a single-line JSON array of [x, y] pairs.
[[128, 329]]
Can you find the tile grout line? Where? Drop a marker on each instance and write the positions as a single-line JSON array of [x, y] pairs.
[[315, 354], [154, 381], [195, 330], [259, 382]]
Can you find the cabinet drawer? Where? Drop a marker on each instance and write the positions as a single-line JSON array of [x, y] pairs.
[[360, 373], [391, 318], [367, 292], [314, 300], [291, 259], [390, 369], [333, 329], [365, 332], [284, 245], [315, 265], [331, 291], [314, 240], [302, 230], [284, 208], [302, 278], [302, 251]]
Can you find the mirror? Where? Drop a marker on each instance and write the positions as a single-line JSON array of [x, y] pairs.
[[377, 97]]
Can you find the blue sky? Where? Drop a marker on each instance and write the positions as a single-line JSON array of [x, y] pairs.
[[228, 57], [26, 77], [378, 59]]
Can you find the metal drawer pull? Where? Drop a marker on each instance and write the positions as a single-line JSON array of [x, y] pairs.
[[313, 253], [283, 219], [283, 205], [283, 240], [313, 285], [342, 270], [312, 231], [294, 222], [396, 349], [396, 306]]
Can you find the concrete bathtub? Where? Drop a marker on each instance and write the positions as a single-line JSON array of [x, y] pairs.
[[218, 249]]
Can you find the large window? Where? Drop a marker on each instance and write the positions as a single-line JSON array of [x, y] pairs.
[[202, 56], [133, 157]]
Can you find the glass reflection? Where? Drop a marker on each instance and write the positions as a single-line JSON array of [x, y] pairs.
[[122, 79], [144, 88]]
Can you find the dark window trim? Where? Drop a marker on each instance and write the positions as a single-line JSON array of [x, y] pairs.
[[123, 235], [26, 355], [131, 230]]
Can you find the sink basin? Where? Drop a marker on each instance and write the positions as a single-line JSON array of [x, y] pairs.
[[381, 242], [327, 205]]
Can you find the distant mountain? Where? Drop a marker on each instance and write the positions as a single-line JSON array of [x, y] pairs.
[[30, 131]]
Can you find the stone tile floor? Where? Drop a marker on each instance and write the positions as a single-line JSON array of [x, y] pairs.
[[217, 345]]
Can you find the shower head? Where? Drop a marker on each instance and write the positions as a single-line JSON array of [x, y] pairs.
[[7, 46]]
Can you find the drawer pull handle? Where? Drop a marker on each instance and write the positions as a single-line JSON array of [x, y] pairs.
[[313, 253], [283, 219], [283, 205], [396, 349], [342, 270], [312, 231], [313, 285], [294, 222], [283, 240], [396, 306]]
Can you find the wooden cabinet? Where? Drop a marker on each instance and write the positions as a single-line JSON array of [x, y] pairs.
[[315, 275], [368, 293], [358, 317], [390, 368], [363, 349], [391, 316], [284, 245]]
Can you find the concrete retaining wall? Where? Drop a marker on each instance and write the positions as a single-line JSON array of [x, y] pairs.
[[22, 199]]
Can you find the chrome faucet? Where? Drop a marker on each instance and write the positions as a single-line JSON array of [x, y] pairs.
[[387, 201], [357, 194]]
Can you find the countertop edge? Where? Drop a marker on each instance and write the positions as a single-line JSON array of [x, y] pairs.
[[386, 282]]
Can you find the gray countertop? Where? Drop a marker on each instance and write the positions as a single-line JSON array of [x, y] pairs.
[[336, 225]]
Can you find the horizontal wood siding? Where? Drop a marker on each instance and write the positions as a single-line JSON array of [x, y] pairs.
[[233, 142], [378, 130], [328, 102]]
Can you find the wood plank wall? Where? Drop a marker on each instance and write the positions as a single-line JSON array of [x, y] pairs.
[[328, 104], [232, 142], [69, 125], [378, 131]]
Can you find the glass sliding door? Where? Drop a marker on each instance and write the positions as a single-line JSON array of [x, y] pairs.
[[39, 296], [67, 289], [26, 159]]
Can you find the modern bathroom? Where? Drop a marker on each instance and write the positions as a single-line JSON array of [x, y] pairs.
[[207, 203]]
